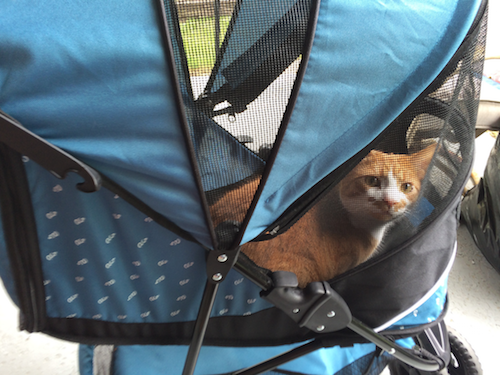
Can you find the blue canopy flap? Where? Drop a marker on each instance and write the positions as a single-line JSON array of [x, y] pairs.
[[369, 61], [92, 79]]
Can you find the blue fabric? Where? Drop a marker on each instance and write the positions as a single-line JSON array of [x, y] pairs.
[[91, 77], [368, 62], [154, 360], [103, 259], [85, 360]]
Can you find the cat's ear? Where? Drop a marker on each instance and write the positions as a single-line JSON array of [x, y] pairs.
[[423, 158]]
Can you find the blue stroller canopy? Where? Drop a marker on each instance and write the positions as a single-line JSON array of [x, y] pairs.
[[294, 95], [109, 100]]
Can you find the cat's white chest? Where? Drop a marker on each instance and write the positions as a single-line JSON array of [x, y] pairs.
[[378, 233]]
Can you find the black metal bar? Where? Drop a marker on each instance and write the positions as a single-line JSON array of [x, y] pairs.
[[265, 283], [251, 272], [393, 348], [200, 327], [50, 157], [274, 362]]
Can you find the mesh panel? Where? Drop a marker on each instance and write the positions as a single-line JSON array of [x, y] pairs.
[[413, 173], [237, 67], [203, 25], [446, 117]]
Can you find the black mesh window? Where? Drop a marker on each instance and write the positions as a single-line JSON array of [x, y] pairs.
[[446, 117], [413, 172], [238, 66], [237, 63]]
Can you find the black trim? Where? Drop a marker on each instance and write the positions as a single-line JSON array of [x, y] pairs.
[[22, 240], [95, 332], [253, 330]]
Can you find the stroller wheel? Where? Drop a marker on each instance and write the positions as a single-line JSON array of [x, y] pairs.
[[464, 360]]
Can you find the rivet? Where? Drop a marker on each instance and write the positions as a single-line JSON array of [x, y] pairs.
[[222, 258], [295, 311], [320, 328], [392, 351], [217, 276], [331, 314]]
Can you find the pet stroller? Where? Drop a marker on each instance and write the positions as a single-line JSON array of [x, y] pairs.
[[131, 264]]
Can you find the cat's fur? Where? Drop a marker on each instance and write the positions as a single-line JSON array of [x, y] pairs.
[[347, 225]]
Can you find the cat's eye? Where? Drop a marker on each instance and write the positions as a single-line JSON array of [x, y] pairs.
[[406, 187], [372, 181]]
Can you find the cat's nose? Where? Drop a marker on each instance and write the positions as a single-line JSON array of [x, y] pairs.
[[390, 202]]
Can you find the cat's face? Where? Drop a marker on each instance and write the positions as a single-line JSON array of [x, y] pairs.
[[383, 186]]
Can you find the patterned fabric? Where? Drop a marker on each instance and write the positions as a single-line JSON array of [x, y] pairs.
[[103, 259]]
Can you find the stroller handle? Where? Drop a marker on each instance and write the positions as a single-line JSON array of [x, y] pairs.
[[52, 158]]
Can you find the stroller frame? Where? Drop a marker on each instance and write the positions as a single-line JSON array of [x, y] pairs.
[[318, 307]]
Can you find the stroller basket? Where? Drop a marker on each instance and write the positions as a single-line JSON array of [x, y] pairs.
[[211, 135]]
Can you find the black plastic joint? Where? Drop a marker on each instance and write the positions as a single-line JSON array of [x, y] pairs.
[[317, 306]]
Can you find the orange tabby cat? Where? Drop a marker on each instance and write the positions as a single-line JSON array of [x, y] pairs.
[[347, 225]]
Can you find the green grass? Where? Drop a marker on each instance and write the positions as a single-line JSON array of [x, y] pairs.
[[198, 36]]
